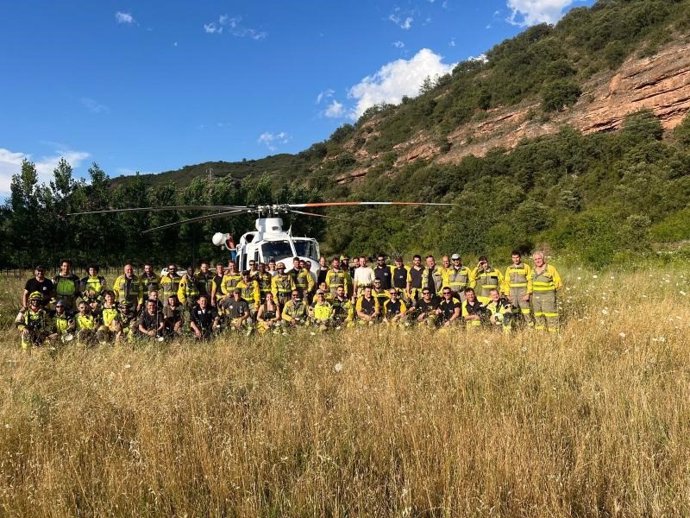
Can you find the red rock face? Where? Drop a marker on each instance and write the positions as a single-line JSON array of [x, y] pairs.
[[660, 83]]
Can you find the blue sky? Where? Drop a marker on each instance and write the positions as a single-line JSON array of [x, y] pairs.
[[154, 86]]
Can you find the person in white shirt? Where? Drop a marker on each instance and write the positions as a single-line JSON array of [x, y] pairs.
[[364, 276]]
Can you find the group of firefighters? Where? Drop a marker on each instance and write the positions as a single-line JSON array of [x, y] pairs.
[[271, 297]]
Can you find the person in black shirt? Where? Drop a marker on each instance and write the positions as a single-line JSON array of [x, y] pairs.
[[204, 319], [449, 309], [236, 310], [40, 284], [383, 273], [425, 308], [151, 321], [172, 317]]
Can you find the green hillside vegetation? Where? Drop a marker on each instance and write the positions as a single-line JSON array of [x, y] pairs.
[[600, 198]]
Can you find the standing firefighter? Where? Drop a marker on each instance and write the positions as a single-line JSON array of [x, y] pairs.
[[128, 290], [518, 286], [546, 281], [66, 285]]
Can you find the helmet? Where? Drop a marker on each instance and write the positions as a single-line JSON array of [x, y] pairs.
[[35, 295]]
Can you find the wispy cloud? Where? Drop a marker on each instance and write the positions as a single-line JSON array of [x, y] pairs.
[[326, 94], [94, 106], [125, 18], [335, 110], [398, 44], [233, 25], [402, 20], [11, 164], [532, 12], [272, 141], [397, 79]]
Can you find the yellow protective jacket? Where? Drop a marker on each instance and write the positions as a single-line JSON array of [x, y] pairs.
[[282, 285], [547, 280], [128, 290], [484, 281], [229, 282], [321, 311], [294, 310], [338, 278], [188, 289], [250, 293], [457, 279], [169, 286], [517, 276]]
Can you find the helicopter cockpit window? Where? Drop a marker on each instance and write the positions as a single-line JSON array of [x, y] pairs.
[[276, 249], [306, 248]]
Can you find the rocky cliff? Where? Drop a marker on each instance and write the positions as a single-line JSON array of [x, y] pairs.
[[660, 83]]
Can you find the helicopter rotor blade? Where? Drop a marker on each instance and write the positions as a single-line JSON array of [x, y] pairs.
[[361, 203], [198, 218], [303, 213], [158, 209]]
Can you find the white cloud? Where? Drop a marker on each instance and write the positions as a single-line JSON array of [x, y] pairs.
[[94, 106], [452, 43], [326, 94], [532, 12], [398, 44], [397, 79], [11, 164], [233, 26], [335, 110], [121, 17], [404, 22], [272, 140]]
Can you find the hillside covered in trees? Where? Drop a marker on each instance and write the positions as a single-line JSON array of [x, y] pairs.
[[601, 196]]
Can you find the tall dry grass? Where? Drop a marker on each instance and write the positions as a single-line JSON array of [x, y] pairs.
[[595, 422]]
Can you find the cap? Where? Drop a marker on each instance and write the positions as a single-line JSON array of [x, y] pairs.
[[36, 295], [455, 256], [319, 292], [59, 303]]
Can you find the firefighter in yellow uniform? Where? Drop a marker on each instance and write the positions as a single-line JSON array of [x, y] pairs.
[[93, 283], [321, 312], [111, 322], [486, 278], [231, 278], [546, 282], [343, 308], [33, 322], [188, 291], [517, 286], [86, 324], [458, 277], [338, 276], [295, 311], [282, 285], [169, 283], [249, 291], [128, 290]]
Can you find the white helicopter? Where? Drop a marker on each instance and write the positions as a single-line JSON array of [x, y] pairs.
[[269, 240]]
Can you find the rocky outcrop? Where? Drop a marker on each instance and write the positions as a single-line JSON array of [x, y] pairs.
[[660, 83]]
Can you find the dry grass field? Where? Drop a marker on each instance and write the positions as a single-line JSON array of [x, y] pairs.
[[376, 421]]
